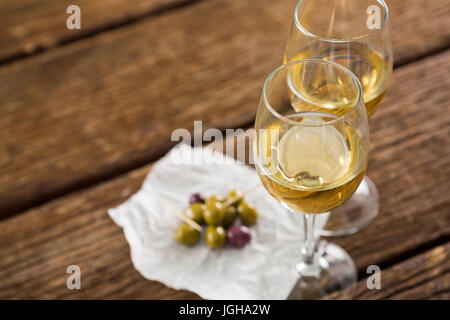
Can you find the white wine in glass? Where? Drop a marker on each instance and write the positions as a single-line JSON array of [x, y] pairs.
[[369, 65], [304, 177], [311, 161], [356, 35]]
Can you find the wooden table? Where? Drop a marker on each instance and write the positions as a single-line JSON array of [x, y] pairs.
[[84, 113]]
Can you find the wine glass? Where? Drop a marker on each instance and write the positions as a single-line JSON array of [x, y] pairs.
[[310, 151], [355, 34]]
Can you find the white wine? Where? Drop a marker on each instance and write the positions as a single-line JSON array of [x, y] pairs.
[[314, 88], [369, 65], [311, 168]]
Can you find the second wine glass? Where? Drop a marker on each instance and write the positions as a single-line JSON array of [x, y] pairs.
[[355, 34]]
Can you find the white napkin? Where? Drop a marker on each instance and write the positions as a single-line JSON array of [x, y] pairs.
[[264, 269]]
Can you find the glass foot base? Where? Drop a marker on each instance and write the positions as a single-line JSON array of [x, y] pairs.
[[338, 272], [354, 214]]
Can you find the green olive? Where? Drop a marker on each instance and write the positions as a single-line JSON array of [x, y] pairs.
[[213, 214], [195, 212], [215, 236], [235, 194], [185, 234], [247, 213], [214, 199], [230, 214]]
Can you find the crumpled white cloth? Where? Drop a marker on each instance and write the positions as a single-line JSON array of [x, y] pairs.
[[264, 269]]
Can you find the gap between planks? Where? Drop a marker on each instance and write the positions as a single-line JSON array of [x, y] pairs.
[[107, 27]]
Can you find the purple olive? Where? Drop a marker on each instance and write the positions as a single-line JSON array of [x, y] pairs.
[[239, 236], [195, 198]]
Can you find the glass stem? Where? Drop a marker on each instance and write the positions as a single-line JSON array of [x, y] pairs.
[[309, 266]]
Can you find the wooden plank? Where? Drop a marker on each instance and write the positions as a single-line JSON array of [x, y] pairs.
[[86, 112], [75, 230], [27, 26], [409, 163], [424, 276]]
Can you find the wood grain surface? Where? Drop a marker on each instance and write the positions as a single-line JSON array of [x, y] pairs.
[[409, 163], [29, 26], [93, 109], [425, 276]]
